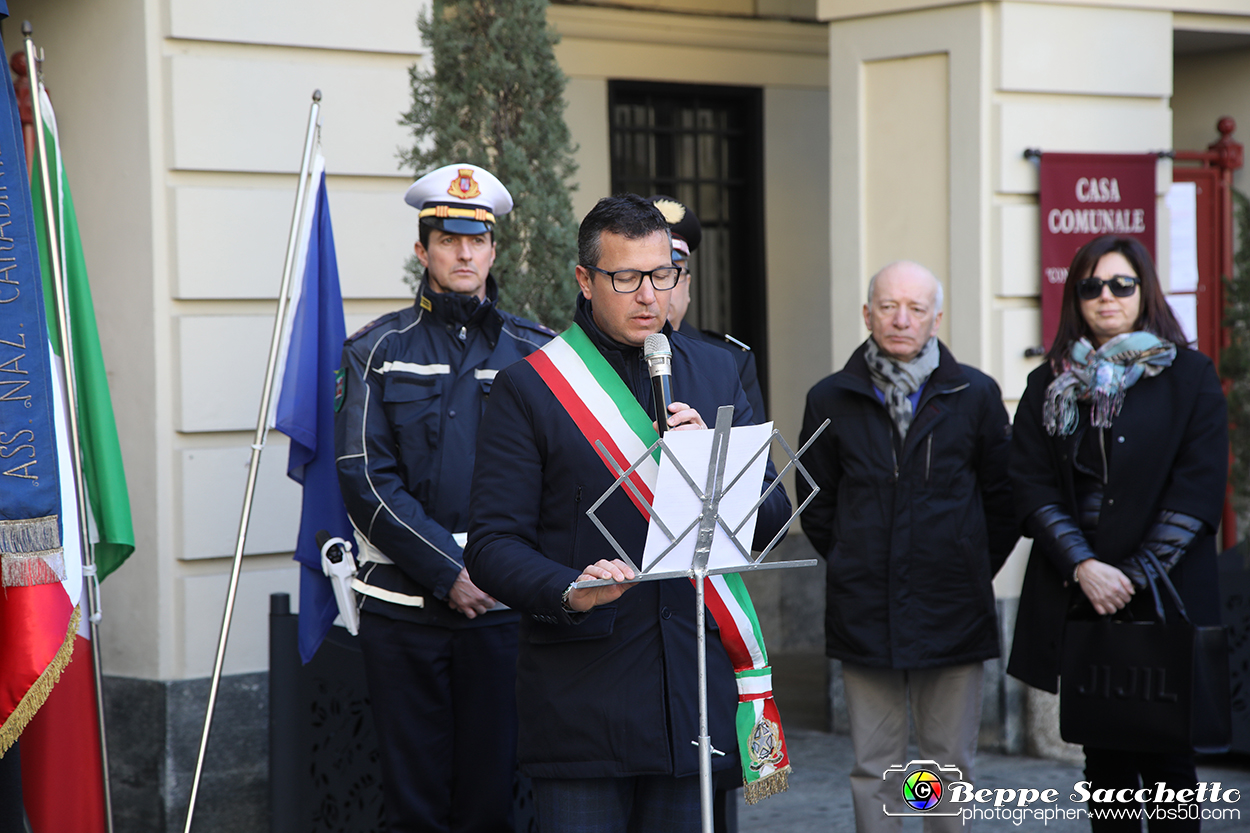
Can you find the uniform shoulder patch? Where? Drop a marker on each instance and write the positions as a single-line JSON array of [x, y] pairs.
[[340, 389]]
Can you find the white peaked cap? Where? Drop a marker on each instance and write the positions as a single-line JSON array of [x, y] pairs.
[[459, 199]]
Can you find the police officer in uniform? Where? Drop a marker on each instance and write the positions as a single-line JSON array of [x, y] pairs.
[[687, 234], [440, 654]]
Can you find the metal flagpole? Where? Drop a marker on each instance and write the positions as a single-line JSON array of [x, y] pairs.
[[71, 406], [258, 442]]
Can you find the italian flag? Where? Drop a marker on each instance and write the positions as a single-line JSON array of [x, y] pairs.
[[62, 771]]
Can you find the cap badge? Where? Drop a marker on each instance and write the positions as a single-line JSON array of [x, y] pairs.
[[464, 186]]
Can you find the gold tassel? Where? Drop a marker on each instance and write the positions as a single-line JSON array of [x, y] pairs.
[[42, 687], [777, 782]]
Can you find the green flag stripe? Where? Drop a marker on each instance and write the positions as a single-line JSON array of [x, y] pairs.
[[103, 471]]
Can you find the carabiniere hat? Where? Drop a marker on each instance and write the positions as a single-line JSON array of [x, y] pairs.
[[459, 199], [682, 223]]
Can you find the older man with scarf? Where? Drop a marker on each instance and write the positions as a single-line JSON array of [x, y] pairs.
[[914, 515]]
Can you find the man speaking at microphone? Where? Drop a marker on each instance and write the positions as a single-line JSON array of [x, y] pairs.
[[607, 676]]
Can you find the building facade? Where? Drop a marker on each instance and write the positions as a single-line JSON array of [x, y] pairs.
[[818, 139]]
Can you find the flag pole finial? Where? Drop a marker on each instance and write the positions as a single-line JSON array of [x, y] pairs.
[[27, 29], [316, 95]]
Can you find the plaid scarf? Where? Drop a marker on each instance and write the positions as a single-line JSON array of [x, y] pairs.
[[899, 380], [1102, 377]]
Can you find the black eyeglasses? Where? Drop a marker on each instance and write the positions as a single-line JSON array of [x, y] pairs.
[[1122, 286], [629, 280]]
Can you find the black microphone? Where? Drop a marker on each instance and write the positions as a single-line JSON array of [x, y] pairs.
[[659, 358]]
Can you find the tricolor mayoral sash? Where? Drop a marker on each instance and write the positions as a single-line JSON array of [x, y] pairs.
[[604, 409]]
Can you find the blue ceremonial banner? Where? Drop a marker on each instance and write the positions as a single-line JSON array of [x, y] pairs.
[[305, 413], [37, 616], [30, 494]]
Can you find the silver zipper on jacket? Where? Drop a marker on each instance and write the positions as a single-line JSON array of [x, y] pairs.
[[928, 457], [463, 333]]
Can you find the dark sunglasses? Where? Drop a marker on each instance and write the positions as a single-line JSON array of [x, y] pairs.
[[1122, 286]]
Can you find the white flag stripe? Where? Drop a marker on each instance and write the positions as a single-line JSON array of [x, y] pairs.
[[297, 279], [600, 404]]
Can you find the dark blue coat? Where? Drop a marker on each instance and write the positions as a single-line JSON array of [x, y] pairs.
[[416, 383], [913, 530], [613, 692]]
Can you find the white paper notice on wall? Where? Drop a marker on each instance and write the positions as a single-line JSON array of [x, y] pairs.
[[1183, 207], [1185, 308]]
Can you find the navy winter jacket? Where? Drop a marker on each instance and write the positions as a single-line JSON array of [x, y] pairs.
[[613, 692], [913, 531], [415, 386]]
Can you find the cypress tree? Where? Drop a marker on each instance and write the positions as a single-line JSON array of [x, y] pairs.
[[495, 98]]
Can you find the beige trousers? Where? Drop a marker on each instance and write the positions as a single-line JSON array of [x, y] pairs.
[[946, 709]]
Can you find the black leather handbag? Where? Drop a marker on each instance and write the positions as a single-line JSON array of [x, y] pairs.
[[1158, 685]]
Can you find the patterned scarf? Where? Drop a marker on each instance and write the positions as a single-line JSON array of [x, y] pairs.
[[1102, 377], [899, 380]]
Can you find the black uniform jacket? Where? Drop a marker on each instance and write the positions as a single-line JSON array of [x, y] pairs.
[[613, 692], [913, 531], [416, 383], [1167, 449]]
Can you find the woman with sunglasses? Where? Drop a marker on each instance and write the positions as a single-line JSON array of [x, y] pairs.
[[1120, 448]]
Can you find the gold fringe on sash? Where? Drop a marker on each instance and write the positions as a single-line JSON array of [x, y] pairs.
[[777, 782], [41, 688]]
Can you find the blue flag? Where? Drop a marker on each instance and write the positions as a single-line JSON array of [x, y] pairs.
[[305, 413]]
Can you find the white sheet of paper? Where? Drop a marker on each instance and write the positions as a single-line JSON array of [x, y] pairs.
[[1185, 308], [677, 504], [1183, 207]]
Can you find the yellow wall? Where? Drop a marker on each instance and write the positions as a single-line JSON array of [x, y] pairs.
[[906, 174]]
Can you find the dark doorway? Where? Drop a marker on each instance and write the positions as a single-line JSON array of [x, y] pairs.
[[704, 146]]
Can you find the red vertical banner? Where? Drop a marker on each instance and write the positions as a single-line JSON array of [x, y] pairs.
[[1087, 195]]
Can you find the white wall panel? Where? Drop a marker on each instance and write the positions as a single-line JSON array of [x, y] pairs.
[[1018, 330], [1019, 260], [1074, 124], [235, 113], [376, 26], [213, 481], [221, 368], [1064, 49], [231, 242], [204, 597]]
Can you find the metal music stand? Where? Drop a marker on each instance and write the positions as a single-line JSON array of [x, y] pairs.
[[706, 522]]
